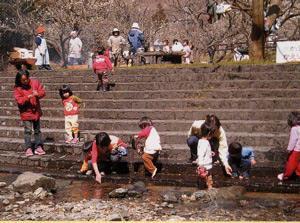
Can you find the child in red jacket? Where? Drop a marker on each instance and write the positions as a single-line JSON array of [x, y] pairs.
[[27, 93], [101, 66], [71, 111]]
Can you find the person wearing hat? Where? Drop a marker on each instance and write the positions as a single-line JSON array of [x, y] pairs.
[[115, 43], [75, 47], [41, 52], [135, 38]]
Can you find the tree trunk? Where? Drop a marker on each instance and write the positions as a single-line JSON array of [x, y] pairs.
[[257, 33], [63, 51]]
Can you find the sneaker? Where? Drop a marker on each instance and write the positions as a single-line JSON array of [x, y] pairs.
[[75, 141], [39, 151], [154, 173], [29, 152], [280, 176], [89, 172]]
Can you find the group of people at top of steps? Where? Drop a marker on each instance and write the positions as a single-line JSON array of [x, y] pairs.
[[206, 138]]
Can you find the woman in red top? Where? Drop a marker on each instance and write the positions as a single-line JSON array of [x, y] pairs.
[[27, 93], [101, 66]]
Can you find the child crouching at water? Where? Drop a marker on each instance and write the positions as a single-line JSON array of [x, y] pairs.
[[71, 110], [240, 159], [104, 148], [152, 144], [204, 153]]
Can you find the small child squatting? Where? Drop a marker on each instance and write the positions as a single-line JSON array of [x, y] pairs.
[[241, 159], [204, 160], [71, 111], [104, 148], [152, 144]]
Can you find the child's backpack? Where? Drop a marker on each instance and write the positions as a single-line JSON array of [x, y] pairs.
[[87, 146]]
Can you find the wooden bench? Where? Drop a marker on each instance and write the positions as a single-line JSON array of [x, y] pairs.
[[158, 57]]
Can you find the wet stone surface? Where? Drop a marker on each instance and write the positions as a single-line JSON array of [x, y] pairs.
[[86, 200]]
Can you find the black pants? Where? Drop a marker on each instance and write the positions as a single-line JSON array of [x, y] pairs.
[[192, 142]]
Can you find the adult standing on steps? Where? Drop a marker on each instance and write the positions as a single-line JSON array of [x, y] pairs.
[[136, 40], [115, 43], [27, 93], [218, 141], [41, 52], [75, 47]]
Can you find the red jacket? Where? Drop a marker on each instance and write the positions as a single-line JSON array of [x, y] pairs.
[[30, 109], [71, 105], [101, 64], [95, 152]]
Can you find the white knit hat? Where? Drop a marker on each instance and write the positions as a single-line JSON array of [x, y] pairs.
[[73, 33], [116, 30], [135, 25]]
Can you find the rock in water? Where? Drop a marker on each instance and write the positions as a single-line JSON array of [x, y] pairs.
[[233, 192], [198, 195], [2, 184], [170, 196], [134, 193], [5, 202], [176, 218], [29, 181], [118, 193], [114, 217], [140, 187]]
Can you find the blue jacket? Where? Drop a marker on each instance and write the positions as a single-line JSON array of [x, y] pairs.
[[136, 39], [247, 153]]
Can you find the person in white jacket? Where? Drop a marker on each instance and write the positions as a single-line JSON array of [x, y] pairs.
[[152, 146], [218, 140], [41, 52], [204, 160], [75, 47]]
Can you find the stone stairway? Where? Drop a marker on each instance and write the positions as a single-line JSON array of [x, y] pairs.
[[252, 102]]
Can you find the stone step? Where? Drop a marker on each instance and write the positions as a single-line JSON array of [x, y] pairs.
[[169, 137], [173, 152], [68, 162], [163, 77], [179, 173], [162, 125], [181, 69], [189, 85], [178, 94], [164, 114], [240, 103]]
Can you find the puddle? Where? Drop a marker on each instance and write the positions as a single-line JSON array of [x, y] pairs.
[[78, 190]]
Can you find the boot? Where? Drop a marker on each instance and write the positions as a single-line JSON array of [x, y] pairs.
[[99, 87]]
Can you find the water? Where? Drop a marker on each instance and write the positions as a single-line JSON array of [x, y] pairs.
[[81, 193]]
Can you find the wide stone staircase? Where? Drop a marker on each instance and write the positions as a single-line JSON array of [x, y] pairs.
[[252, 102]]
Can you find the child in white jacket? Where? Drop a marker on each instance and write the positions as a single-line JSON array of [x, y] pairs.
[[152, 146], [204, 160]]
